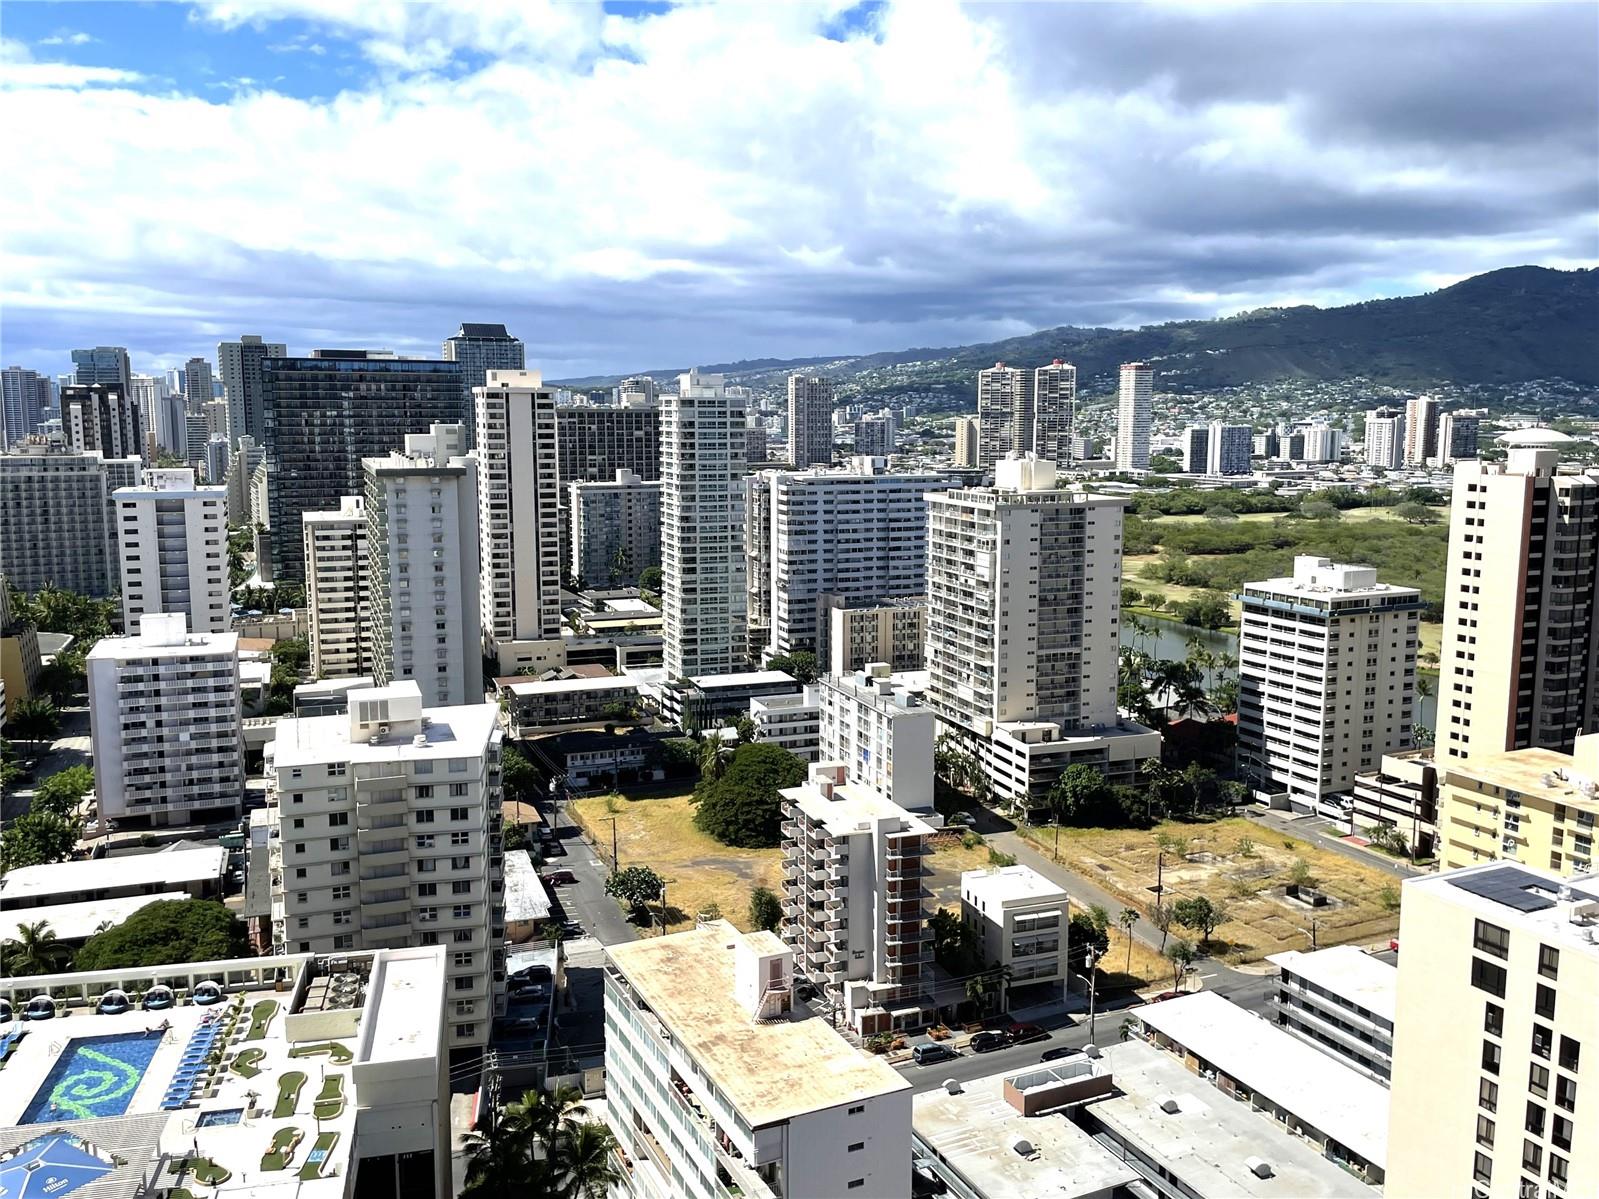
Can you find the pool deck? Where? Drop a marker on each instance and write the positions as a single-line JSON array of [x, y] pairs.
[[238, 1148]]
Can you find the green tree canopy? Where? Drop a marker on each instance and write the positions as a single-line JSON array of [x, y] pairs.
[[35, 950], [801, 664], [742, 808], [36, 839], [1200, 914], [635, 886], [61, 792], [33, 718], [173, 930], [766, 910]]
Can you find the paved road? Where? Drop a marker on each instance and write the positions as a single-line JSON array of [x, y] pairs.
[[586, 901], [71, 748]]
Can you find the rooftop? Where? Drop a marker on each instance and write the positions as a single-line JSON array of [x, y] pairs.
[[748, 678], [609, 682], [1322, 578], [448, 733], [769, 1072], [153, 644], [1347, 973], [164, 868], [1316, 1088], [1545, 774], [1210, 1139], [525, 895], [975, 1131], [851, 808], [79, 921], [1009, 883], [1562, 911]]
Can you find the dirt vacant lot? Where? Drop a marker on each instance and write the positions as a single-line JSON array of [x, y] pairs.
[[1247, 868]]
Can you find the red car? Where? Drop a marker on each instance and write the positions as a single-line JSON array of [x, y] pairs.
[[1021, 1034], [1165, 995]]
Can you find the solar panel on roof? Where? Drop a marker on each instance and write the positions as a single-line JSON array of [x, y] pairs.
[[1506, 885]]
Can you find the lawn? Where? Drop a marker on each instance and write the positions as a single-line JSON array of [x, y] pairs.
[[317, 1159], [329, 1102], [339, 1055], [247, 1062], [281, 1152], [288, 1094], [700, 870], [261, 1016], [1245, 866]]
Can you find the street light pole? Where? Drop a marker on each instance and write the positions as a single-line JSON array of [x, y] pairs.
[[1093, 992]]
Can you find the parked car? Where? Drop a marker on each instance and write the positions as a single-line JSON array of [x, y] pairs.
[[934, 1051], [559, 878], [1021, 1034], [572, 928], [534, 973], [552, 848], [1165, 995], [987, 1042], [1058, 1052]]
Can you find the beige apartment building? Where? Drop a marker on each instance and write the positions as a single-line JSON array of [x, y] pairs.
[[338, 591], [1496, 1037], [1537, 806]]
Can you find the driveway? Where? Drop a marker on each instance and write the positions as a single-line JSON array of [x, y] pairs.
[[71, 748]]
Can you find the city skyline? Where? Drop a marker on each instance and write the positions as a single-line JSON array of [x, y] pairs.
[[1321, 184]]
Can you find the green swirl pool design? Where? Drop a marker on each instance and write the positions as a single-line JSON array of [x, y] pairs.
[[94, 1076]]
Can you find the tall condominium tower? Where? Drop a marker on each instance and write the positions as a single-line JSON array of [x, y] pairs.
[[166, 724], [58, 521], [616, 529], [1520, 662], [1421, 430], [197, 385], [810, 420], [1196, 449], [422, 541], [239, 363], [1385, 438], [338, 596], [100, 417], [1322, 443], [858, 534], [385, 828], [1054, 411], [107, 365], [1135, 409], [1004, 413], [325, 413], [592, 443], [24, 399], [480, 349], [1023, 619], [1326, 679], [1494, 1028], [968, 438], [173, 536], [518, 520], [638, 389], [1457, 437], [247, 456], [1228, 449], [702, 528]]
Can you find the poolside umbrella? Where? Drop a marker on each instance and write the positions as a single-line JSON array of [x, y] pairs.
[[50, 1167]]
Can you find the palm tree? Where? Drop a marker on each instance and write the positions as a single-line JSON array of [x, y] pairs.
[[711, 759], [34, 719], [35, 950], [1128, 918], [500, 1165], [544, 1114], [582, 1164]]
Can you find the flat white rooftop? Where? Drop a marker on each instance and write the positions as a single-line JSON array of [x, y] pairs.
[[164, 868], [1208, 1141], [525, 895], [851, 808], [1316, 1088], [404, 1006], [193, 645], [1348, 973], [1007, 884], [78, 921], [609, 682], [748, 678], [975, 1131], [1524, 897], [769, 1072], [450, 733]]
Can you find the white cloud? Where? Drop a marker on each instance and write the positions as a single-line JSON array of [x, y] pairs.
[[722, 180], [67, 37]]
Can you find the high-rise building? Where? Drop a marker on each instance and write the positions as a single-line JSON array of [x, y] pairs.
[[99, 417], [593, 443], [1322, 443], [1457, 437], [1135, 410], [702, 528], [1054, 411], [386, 833], [881, 733], [860, 632], [1004, 413], [1520, 661], [1491, 1094], [326, 413], [198, 434], [481, 349], [616, 530], [427, 624], [1229, 448], [242, 465], [166, 724], [518, 521], [1536, 806], [337, 592], [711, 1070], [1196, 449], [853, 905], [968, 438], [1421, 430], [859, 533], [173, 541], [216, 460], [58, 521], [1023, 626], [1326, 679], [638, 389], [810, 421], [171, 424], [24, 399], [239, 363], [755, 445], [106, 365], [197, 385], [1385, 438], [876, 436]]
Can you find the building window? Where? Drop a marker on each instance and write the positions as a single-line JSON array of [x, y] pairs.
[[1490, 1057], [1485, 976], [1544, 1004], [857, 1109], [1490, 938], [1493, 1020], [1482, 1168], [856, 1183], [1543, 1040], [1557, 1170], [1570, 1053], [1534, 1123], [1485, 1132], [1488, 1095], [1531, 1156], [1565, 1092], [341, 892], [857, 1146], [1560, 1133], [465, 1030], [1548, 961], [1538, 1081]]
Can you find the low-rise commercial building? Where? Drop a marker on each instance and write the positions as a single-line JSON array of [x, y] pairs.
[[1341, 1000], [1021, 921], [530, 704], [717, 1085], [708, 699], [193, 872], [1536, 806], [1401, 794]]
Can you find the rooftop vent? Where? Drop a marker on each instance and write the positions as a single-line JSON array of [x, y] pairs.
[[1170, 1106], [1025, 1148], [1258, 1166], [952, 1086]]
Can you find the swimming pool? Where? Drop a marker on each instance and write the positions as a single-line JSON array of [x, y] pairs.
[[94, 1076]]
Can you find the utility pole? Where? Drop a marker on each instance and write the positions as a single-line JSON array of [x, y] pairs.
[[1093, 991], [615, 861]]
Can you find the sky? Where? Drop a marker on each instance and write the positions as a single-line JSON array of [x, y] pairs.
[[649, 186]]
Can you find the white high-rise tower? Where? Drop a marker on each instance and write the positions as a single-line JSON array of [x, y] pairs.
[[1134, 411], [1004, 413], [1054, 410]]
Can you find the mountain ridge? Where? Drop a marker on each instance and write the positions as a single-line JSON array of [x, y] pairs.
[[1510, 325]]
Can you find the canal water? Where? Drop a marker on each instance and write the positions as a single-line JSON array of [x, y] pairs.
[[1168, 639]]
